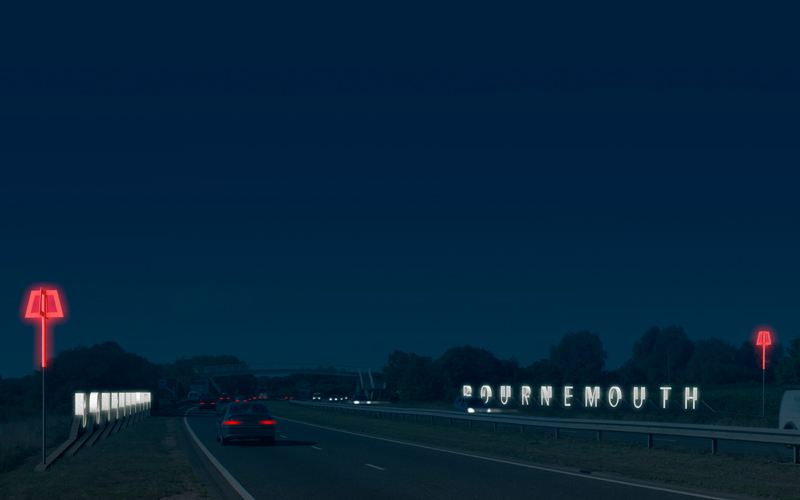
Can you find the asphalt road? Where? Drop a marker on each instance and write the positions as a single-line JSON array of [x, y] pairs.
[[312, 462]]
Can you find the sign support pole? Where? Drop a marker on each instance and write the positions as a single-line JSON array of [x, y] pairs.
[[763, 372], [43, 312], [763, 340]]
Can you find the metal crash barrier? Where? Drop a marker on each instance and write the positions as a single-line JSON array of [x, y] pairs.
[[713, 433], [96, 416]]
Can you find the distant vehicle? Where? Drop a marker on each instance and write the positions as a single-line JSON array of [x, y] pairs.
[[470, 405], [246, 421], [225, 398], [263, 395], [193, 396], [317, 396], [360, 399], [334, 398], [208, 403], [790, 409]]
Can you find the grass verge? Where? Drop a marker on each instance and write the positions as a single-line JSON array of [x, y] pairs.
[[141, 462], [21, 438], [737, 473]]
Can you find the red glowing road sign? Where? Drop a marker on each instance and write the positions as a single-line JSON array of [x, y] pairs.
[[53, 305], [764, 341], [46, 305]]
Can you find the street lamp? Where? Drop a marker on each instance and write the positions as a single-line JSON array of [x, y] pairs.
[[763, 340], [44, 304]]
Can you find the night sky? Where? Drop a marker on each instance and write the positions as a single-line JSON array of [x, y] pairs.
[[332, 215]]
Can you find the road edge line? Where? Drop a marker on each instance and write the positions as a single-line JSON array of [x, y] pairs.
[[222, 470], [519, 464]]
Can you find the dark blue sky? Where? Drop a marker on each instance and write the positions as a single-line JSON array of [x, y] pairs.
[[335, 215]]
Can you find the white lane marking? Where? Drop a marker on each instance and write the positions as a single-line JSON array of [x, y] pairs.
[[374, 466], [320, 449], [281, 435], [546, 469], [222, 470]]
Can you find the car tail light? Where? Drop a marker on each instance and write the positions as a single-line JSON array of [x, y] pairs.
[[267, 422], [202, 403], [231, 422]]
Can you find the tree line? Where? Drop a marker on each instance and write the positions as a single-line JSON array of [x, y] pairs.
[[659, 357]]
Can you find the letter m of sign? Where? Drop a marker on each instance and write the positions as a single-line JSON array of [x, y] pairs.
[[591, 396]]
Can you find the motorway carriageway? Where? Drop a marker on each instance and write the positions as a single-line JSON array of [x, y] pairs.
[[313, 462]]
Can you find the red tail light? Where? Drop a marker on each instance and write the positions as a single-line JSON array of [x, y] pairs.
[[202, 403], [267, 422], [230, 422]]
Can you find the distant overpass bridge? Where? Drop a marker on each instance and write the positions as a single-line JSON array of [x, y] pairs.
[[364, 379]]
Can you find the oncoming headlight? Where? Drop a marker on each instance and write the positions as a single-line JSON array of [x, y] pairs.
[[471, 410]]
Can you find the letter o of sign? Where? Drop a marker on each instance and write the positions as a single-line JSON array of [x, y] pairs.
[[614, 395]]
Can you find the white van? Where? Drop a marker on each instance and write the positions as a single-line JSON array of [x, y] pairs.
[[193, 396], [790, 409]]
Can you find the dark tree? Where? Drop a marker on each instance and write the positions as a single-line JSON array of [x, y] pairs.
[[658, 357], [543, 372], [103, 366], [580, 358], [714, 361], [788, 370], [412, 377], [469, 365]]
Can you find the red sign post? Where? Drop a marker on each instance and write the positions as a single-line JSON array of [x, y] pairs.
[[763, 340], [44, 304]]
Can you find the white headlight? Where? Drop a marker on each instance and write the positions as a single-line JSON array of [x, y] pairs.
[[471, 410]]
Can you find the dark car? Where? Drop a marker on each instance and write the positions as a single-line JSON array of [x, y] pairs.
[[360, 399], [208, 403], [225, 398], [470, 404], [246, 421]]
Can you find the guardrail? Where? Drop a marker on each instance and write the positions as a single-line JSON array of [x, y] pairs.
[[714, 433], [97, 416]]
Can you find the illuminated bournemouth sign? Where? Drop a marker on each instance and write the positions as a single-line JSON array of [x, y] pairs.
[[590, 397]]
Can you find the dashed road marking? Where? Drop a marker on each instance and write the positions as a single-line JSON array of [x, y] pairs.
[[320, 449], [374, 466], [281, 435]]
